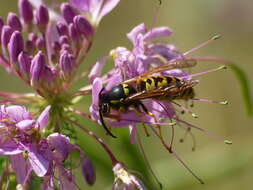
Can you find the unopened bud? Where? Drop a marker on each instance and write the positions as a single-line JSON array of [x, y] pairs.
[[37, 68], [83, 25], [24, 62], [68, 12], [14, 22], [42, 17], [6, 35], [16, 45], [26, 10]]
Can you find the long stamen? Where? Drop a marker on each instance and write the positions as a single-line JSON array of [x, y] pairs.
[[205, 72], [204, 131], [185, 109], [211, 101], [169, 148], [147, 161], [202, 44]]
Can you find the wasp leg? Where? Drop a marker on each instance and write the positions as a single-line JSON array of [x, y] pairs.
[[138, 113], [153, 116]]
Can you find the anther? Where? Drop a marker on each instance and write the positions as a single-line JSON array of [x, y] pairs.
[[216, 37], [228, 142]]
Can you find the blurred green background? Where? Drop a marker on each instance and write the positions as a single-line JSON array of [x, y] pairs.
[[221, 166]]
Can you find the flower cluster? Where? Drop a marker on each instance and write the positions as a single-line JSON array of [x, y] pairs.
[[21, 140], [44, 46]]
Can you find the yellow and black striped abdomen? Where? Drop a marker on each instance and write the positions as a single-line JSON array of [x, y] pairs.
[[155, 82]]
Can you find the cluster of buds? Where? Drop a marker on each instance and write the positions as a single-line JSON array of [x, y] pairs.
[[45, 48]]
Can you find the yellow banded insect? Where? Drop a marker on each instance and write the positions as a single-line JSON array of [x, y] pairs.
[[131, 92]]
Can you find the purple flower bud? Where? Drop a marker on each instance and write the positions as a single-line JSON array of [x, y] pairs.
[[64, 40], [62, 28], [6, 35], [88, 171], [42, 17], [83, 25], [1, 26], [24, 62], [67, 63], [73, 32], [15, 46], [26, 10], [68, 12], [14, 22], [37, 68]]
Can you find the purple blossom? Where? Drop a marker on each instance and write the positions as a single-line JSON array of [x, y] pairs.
[[95, 9], [14, 22]]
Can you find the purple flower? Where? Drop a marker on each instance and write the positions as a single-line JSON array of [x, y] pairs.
[[20, 137], [95, 9]]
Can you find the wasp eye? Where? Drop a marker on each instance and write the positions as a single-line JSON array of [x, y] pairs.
[[105, 108]]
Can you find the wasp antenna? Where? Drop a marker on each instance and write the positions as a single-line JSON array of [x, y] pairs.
[[104, 125], [225, 102], [216, 37], [147, 162]]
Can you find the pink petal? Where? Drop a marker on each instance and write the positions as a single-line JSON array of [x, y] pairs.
[[43, 118], [140, 29], [158, 32]]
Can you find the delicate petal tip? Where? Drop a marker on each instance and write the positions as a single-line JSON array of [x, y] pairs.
[[42, 120], [108, 6], [96, 88], [97, 68], [140, 29], [157, 33]]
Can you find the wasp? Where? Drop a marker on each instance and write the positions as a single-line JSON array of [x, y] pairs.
[[146, 86]]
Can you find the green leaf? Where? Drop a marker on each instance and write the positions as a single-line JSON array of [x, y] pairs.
[[244, 86]]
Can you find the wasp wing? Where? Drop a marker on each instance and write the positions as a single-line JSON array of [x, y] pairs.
[[180, 64]]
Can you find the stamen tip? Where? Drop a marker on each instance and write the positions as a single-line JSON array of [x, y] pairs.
[[195, 115], [224, 102], [172, 123], [228, 142], [216, 37], [223, 67]]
